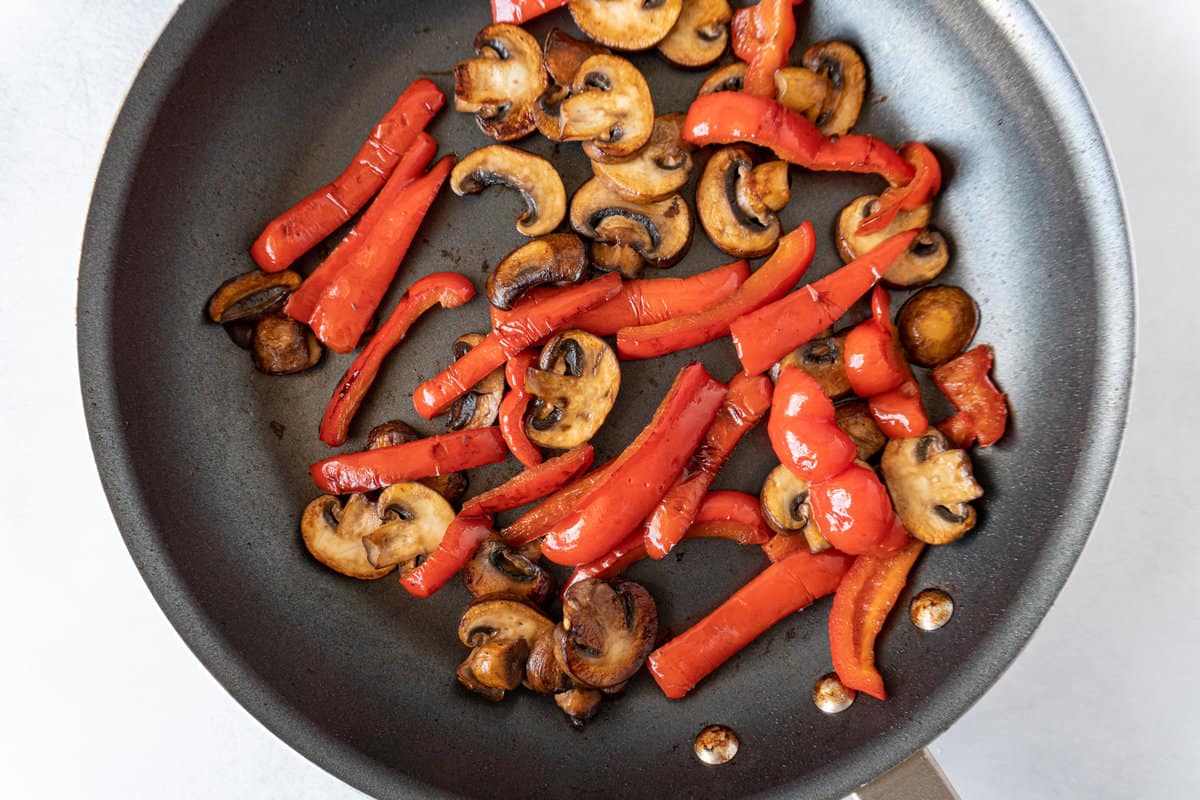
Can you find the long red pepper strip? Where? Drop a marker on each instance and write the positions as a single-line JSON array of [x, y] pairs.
[[765, 336], [966, 383], [768, 283], [912, 195], [447, 289], [295, 231], [864, 598], [614, 508], [779, 590], [748, 400], [518, 11], [538, 321], [513, 408], [762, 35], [424, 458]]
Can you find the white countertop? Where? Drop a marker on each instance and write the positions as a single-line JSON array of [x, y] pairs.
[[101, 698]]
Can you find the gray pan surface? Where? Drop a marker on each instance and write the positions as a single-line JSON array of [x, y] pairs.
[[244, 107]]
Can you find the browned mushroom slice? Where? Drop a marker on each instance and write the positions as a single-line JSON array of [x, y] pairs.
[[479, 407], [502, 620], [659, 232], [802, 90], [576, 384], [334, 533], [557, 259], [452, 485], [579, 705], [531, 175], [610, 109], [729, 78], [564, 54], [626, 24], [932, 486], [252, 295], [936, 324], [494, 668], [699, 36], [542, 672], [926, 257], [855, 419], [843, 67], [736, 201], [786, 508], [497, 569], [617, 258], [283, 346], [660, 168], [824, 359], [415, 518], [608, 629], [502, 84]]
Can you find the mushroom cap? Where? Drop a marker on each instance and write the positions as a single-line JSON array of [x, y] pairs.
[[479, 407], [659, 232], [610, 109], [451, 485], [925, 258], [496, 569], [786, 508], [494, 668], [558, 259], [542, 672], [576, 384], [936, 324], [736, 201], [531, 175], [414, 520], [660, 168], [856, 420], [502, 84], [729, 78], [251, 295], [931, 486], [626, 24], [334, 533], [503, 620], [824, 359], [608, 630], [282, 346], [841, 64], [699, 36]]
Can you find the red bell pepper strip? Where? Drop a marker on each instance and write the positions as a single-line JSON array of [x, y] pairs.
[[959, 429], [803, 428], [424, 458], [852, 509], [615, 507], [518, 11], [534, 483], [912, 195], [965, 382], [897, 539], [648, 300], [779, 590], [513, 408], [899, 413], [747, 403], [862, 602], [770, 333], [768, 283], [447, 289], [729, 117], [295, 231], [877, 370], [538, 321], [762, 35]]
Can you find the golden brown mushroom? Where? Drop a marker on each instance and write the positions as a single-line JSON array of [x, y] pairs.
[[936, 324], [575, 385], [737, 201], [926, 257], [699, 36], [531, 175], [626, 24], [932, 486], [502, 84]]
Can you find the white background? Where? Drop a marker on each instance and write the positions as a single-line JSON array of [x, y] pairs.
[[99, 697]]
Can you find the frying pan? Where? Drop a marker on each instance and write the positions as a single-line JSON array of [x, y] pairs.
[[242, 107]]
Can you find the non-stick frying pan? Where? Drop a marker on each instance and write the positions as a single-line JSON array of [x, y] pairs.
[[243, 107]]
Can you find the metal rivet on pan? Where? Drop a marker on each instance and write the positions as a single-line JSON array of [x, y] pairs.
[[831, 695], [931, 609], [716, 745]]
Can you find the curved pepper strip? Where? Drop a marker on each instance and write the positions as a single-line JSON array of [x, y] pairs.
[[769, 282], [983, 410], [779, 590], [513, 408], [900, 413], [852, 509], [537, 321], [447, 289], [615, 507], [424, 458], [803, 428], [877, 370], [747, 402], [920, 190], [765, 336], [862, 602], [297, 230], [518, 11], [730, 117], [762, 35]]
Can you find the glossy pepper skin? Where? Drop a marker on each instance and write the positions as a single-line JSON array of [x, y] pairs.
[[779, 590], [983, 410], [447, 289], [852, 509], [297, 230], [514, 407], [877, 370], [424, 458], [762, 35], [518, 11], [900, 413], [803, 428], [615, 507], [747, 402], [920, 190], [729, 117], [863, 600], [768, 283]]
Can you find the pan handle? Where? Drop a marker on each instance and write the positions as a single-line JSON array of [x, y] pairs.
[[916, 778]]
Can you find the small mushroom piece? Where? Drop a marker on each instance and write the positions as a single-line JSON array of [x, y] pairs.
[[659, 232], [699, 36], [932, 486], [251, 295], [531, 175], [502, 620], [786, 508], [626, 24], [736, 201], [479, 407], [926, 257], [608, 629], [558, 259], [283, 346], [575, 385], [452, 485], [802, 90], [542, 672], [620, 258], [415, 519], [496, 569], [579, 705], [936, 324], [610, 109], [564, 54], [729, 78], [334, 533], [502, 84], [855, 419], [847, 74], [824, 359], [494, 668], [662, 167]]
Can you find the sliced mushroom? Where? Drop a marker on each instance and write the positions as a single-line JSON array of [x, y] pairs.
[[699, 36], [564, 54], [802, 90], [494, 668], [415, 519], [334, 533], [932, 486], [660, 168], [608, 629], [824, 359], [575, 385], [452, 485], [557, 259], [502, 620], [855, 419], [729, 78], [610, 109], [620, 258], [497, 569], [926, 257], [502, 84], [847, 74], [579, 705], [626, 24], [542, 672], [936, 324], [786, 508], [531, 175], [283, 346], [659, 232], [737, 201], [479, 407], [252, 295]]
